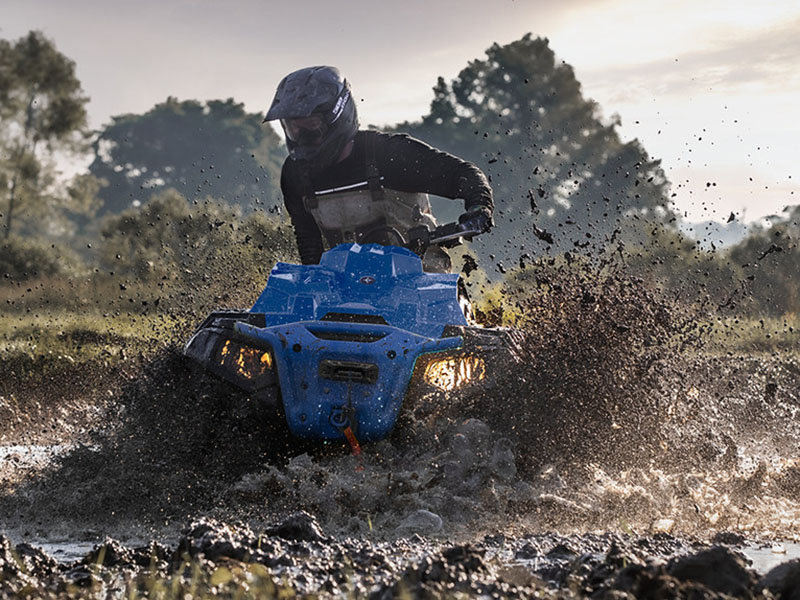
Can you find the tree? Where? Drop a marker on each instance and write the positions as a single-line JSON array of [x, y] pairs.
[[770, 258], [199, 149], [206, 247], [42, 112], [553, 162]]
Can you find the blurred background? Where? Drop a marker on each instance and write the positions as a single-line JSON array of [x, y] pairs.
[[137, 180]]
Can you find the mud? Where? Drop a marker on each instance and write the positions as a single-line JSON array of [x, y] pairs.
[[52, 399], [615, 420], [295, 557]]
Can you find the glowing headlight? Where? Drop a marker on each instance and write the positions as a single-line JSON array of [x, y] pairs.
[[450, 373], [247, 362]]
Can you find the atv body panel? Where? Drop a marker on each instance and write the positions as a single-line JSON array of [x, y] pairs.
[[340, 341]]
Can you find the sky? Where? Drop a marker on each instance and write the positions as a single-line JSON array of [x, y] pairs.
[[711, 88]]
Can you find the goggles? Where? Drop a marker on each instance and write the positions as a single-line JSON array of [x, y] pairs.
[[306, 131]]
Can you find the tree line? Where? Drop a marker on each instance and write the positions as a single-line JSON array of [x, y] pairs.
[[173, 190]]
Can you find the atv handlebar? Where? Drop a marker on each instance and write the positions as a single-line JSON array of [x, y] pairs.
[[446, 236]]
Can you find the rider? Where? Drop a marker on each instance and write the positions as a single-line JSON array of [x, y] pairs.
[[363, 186]]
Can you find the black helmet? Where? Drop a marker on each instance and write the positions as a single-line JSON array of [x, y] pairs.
[[317, 112]]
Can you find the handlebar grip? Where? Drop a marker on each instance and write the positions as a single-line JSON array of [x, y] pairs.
[[447, 235]]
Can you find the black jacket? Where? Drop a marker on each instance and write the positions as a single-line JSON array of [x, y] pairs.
[[404, 164]]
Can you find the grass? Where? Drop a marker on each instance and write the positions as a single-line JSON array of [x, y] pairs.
[[102, 318], [89, 336], [39, 341], [754, 335], [107, 320], [231, 580]]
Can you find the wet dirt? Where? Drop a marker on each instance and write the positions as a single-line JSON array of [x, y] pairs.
[[615, 421], [297, 557], [50, 399]]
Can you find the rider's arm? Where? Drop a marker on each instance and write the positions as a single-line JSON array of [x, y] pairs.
[[409, 164], [306, 232]]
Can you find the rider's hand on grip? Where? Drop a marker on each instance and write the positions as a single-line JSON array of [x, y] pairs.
[[478, 218]]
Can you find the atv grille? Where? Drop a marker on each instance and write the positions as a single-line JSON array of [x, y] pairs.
[[346, 336]]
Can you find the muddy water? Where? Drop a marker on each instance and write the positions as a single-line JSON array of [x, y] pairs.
[[768, 556], [763, 557]]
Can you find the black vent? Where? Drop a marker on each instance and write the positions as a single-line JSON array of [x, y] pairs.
[[345, 336], [338, 370], [340, 317]]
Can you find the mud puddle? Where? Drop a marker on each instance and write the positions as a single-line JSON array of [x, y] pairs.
[[768, 556], [64, 553], [763, 557]]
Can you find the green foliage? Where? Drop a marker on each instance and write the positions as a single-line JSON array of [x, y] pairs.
[[557, 166], [199, 149], [520, 115], [530, 293], [769, 259], [754, 334], [209, 251], [22, 259], [42, 112], [79, 206], [555, 163], [757, 276], [82, 195], [678, 265]]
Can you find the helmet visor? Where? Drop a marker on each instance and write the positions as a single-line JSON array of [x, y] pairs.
[[306, 131]]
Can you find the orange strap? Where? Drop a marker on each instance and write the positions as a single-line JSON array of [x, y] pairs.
[[351, 437], [354, 446]]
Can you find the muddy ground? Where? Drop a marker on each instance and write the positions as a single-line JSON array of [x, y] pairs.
[[296, 558], [617, 456]]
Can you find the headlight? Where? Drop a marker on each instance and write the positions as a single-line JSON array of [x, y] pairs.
[[448, 374], [249, 363]]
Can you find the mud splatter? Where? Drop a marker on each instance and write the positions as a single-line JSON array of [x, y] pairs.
[[613, 420]]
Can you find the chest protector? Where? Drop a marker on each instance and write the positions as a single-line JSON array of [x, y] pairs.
[[376, 215]]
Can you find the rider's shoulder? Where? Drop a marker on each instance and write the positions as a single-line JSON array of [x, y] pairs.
[[397, 141], [386, 137], [289, 168], [288, 164]]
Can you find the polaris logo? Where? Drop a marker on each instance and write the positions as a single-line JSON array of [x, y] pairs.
[[367, 280]]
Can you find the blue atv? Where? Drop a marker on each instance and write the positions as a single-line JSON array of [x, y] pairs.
[[339, 347]]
